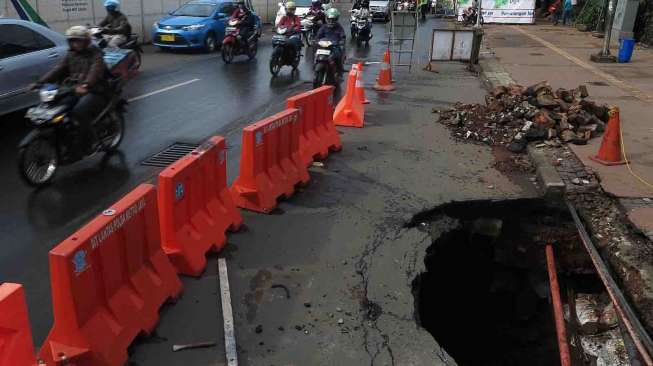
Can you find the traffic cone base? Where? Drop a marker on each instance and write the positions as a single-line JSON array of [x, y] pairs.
[[610, 152], [384, 81]]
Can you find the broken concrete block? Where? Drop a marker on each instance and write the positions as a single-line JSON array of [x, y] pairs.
[[546, 100], [568, 135], [536, 88], [498, 91], [563, 124], [544, 119], [582, 89]]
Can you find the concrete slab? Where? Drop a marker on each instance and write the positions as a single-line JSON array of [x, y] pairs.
[[642, 217]]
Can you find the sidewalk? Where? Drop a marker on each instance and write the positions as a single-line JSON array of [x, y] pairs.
[[530, 54]]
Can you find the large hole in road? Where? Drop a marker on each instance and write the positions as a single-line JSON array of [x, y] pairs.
[[485, 293]]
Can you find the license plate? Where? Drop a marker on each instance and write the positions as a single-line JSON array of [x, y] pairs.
[[168, 37], [323, 52]]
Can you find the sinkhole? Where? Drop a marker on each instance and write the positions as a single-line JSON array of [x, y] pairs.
[[485, 294]]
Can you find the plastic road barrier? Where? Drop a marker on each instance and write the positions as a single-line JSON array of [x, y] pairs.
[[350, 111], [16, 347]]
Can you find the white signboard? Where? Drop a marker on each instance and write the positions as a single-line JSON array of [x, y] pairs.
[[503, 11]]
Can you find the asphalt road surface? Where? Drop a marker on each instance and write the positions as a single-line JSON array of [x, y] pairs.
[[178, 97]]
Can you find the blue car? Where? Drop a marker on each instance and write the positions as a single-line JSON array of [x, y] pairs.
[[198, 24]]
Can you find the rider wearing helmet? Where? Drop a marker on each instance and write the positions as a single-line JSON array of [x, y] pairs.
[[292, 22], [115, 26], [317, 11], [334, 32], [248, 22], [83, 65]]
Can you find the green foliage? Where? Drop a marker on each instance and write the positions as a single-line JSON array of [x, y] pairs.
[[591, 13]]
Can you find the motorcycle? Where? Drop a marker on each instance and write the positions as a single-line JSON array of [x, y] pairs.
[[283, 53], [56, 139], [469, 17], [325, 68], [310, 28], [406, 6], [233, 44], [361, 28], [125, 61]]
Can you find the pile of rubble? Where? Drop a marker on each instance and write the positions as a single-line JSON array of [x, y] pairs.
[[513, 116]]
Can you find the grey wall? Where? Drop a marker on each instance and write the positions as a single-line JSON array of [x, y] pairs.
[[61, 14]]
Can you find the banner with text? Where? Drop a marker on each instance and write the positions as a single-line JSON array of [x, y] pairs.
[[502, 11]]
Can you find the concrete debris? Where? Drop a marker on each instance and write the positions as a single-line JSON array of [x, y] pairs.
[[514, 115], [594, 313], [341, 321], [606, 348], [181, 347]]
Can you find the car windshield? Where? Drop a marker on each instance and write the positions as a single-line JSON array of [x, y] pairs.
[[195, 10], [303, 3]]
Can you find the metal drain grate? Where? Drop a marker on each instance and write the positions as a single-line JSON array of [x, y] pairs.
[[170, 154]]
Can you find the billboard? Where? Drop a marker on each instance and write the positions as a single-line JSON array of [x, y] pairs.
[[503, 11]]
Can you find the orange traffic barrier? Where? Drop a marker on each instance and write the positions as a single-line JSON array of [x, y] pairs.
[[195, 206], [350, 111], [384, 81], [610, 152], [360, 85], [270, 164], [318, 134], [108, 281], [16, 347]]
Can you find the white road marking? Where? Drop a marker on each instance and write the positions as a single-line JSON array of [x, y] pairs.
[[227, 314], [162, 90]]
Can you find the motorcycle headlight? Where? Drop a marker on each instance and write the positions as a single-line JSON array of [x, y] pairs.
[[47, 95], [194, 27], [325, 44]]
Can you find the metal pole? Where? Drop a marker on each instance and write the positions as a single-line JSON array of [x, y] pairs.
[[558, 312], [478, 14], [605, 56]]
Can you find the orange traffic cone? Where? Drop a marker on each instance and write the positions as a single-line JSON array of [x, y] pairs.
[[384, 81], [610, 152], [360, 86], [350, 111]]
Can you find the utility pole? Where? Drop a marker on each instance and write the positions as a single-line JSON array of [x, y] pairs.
[[604, 56], [478, 14]]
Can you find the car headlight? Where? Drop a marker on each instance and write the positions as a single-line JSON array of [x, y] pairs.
[[194, 27]]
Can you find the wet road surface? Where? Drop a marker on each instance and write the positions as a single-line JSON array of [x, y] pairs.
[[181, 97]]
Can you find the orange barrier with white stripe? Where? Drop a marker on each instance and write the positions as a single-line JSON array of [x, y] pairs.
[[108, 281], [195, 206], [270, 163], [16, 347], [317, 133]]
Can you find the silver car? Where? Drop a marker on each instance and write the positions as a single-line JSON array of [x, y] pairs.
[[27, 51]]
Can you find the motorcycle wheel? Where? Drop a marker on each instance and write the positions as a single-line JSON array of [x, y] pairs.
[[38, 162], [228, 53], [117, 132], [253, 50], [320, 79], [359, 42], [275, 63]]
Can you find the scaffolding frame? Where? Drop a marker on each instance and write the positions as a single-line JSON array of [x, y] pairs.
[[403, 37]]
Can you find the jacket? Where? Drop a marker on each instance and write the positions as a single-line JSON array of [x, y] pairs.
[[116, 23], [334, 33], [292, 22], [85, 67]]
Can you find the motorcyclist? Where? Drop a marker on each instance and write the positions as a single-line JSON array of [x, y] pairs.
[[361, 4], [293, 24], [84, 65], [115, 26], [334, 32], [317, 10], [247, 21]]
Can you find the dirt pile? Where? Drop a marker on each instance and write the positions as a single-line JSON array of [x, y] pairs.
[[515, 115]]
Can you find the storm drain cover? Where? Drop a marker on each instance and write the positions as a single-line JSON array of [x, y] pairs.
[[536, 54], [170, 154]]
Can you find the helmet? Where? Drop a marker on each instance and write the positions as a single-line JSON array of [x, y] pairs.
[[112, 5], [240, 3], [78, 32], [290, 7], [332, 14], [316, 2]]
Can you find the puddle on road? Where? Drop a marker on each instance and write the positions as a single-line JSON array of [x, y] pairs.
[[485, 294]]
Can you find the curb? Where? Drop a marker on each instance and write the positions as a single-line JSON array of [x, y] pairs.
[[493, 75]]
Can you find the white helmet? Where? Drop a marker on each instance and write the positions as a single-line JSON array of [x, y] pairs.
[[78, 32]]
